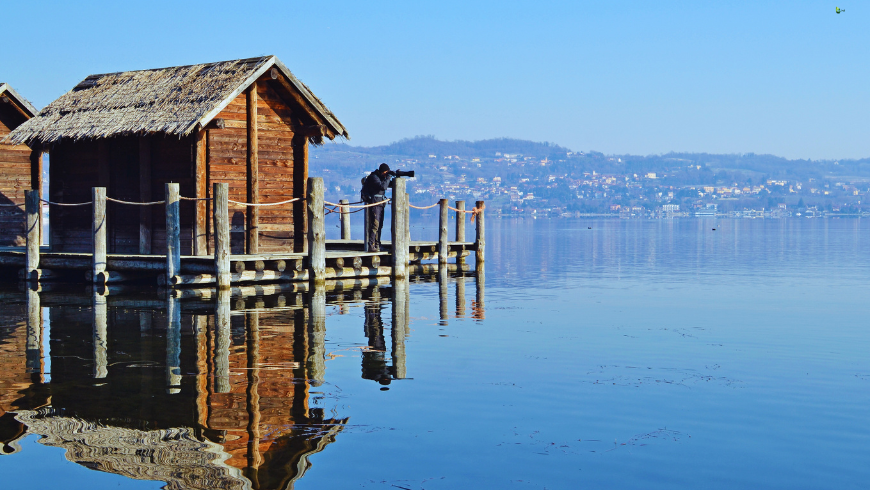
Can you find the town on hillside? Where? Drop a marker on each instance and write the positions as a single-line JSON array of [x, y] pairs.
[[542, 179]]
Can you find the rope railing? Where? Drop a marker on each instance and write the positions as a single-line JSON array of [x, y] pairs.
[[10, 205], [135, 203], [423, 207], [67, 203], [265, 203], [195, 198], [350, 206]]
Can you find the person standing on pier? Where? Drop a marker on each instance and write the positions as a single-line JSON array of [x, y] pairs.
[[373, 191]]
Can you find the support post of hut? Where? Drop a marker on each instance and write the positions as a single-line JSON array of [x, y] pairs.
[[200, 207], [252, 243], [98, 195], [399, 231], [460, 221], [144, 195], [316, 257], [345, 219], [480, 235], [221, 213], [443, 248], [173, 233], [36, 181], [31, 223], [408, 220]]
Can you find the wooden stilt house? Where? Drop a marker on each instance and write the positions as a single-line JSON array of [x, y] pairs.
[[15, 167], [244, 122]]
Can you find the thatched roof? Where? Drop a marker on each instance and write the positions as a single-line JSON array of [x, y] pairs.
[[173, 101], [21, 102]]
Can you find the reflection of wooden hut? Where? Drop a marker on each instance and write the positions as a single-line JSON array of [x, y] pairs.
[[245, 122], [15, 167]]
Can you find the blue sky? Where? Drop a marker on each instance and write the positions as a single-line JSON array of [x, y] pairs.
[[787, 77]]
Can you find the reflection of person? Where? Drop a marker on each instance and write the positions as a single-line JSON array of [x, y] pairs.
[[374, 362], [374, 190]]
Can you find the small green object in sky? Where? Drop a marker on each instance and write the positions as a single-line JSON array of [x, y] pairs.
[[839, 10]]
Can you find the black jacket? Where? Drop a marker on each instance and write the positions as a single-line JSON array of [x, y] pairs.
[[374, 187]]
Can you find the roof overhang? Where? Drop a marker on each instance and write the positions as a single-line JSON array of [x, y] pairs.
[[23, 104]]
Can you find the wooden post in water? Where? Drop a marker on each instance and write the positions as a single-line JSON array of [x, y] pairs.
[[345, 220], [408, 219], [443, 244], [400, 325], [253, 212], [252, 400], [398, 229], [316, 365], [173, 233], [316, 231], [480, 235], [221, 214], [33, 346], [460, 221], [31, 222], [98, 195], [443, 278]]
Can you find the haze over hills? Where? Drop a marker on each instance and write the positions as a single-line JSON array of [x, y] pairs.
[[524, 176]]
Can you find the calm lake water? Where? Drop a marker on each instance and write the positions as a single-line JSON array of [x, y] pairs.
[[590, 354]]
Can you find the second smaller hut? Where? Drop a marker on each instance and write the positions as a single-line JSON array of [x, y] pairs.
[[20, 168]]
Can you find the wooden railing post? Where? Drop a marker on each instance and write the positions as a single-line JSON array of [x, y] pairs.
[[173, 233], [31, 227], [408, 218], [480, 240], [345, 220], [221, 213], [316, 230], [366, 245], [460, 221], [398, 229], [98, 195], [443, 244]]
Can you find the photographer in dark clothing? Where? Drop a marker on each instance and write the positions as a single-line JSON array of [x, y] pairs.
[[374, 190]]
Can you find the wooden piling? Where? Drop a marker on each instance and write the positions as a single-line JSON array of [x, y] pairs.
[[398, 229], [480, 238], [345, 220], [98, 195], [408, 220], [173, 231], [100, 331], [366, 226], [316, 230], [173, 346], [222, 339], [221, 234], [460, 221], [32, 218], [145, 195], [399, 327], [443, 243], [253, 212], [316, 362]]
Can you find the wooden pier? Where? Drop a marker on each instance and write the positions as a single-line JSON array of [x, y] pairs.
[[322, 259]]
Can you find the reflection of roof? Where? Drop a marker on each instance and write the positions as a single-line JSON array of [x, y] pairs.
[[171, 455]]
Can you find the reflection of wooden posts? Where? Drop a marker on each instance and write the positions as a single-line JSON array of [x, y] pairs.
[[173, 232], [221, 234], [345, 220], [460, 295], [399, 233], [317, 336], [201, 325], [316, 257], [101, 318], [32, 220], [442, 293], [34, 331], [252, 400], [98, 194], [173, 345], [400, 326], [443, 248], [144, 195], [222, 342], [479, 309], [460, 221]]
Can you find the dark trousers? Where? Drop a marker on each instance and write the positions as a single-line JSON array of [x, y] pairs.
[[375, 215]]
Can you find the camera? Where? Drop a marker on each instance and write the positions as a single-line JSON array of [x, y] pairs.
[[402, 173]]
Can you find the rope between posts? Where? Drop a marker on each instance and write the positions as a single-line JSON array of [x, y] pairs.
[[135, 203], [361, 207], [67, 203], [422, 207], [195, 198], [10, 205], [265, 203]]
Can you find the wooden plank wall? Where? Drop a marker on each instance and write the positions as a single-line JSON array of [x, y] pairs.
[[14, 180], [76, 167], [227, 149]]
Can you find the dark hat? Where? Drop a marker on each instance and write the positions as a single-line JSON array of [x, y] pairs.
[[384, 168]]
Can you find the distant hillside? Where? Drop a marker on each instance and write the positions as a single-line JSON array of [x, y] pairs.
[[423, 146]]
